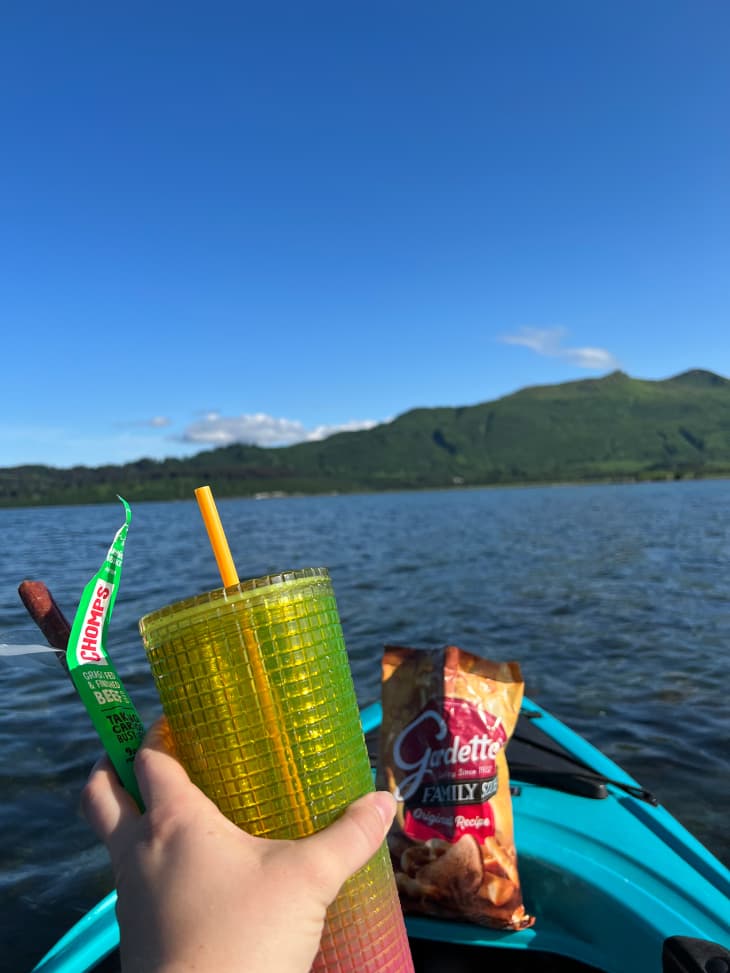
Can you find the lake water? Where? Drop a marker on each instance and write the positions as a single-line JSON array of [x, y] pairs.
[[615, 600]]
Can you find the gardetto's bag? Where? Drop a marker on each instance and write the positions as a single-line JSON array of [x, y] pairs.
[[447, 717]]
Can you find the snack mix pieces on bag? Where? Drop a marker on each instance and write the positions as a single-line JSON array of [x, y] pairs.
[[447, 717]]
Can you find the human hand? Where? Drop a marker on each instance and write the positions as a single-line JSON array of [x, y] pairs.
[[195, 892]]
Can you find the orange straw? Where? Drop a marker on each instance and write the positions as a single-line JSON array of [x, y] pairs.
[[280, 744], [218, 541]]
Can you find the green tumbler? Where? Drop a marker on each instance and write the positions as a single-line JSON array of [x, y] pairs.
[[256, 685]]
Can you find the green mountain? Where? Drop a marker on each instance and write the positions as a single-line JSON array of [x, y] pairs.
[[611, 428]]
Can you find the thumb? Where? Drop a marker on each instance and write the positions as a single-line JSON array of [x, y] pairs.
[[350, 842]]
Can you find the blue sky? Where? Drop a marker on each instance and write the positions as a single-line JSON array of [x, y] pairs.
[[263, 222]]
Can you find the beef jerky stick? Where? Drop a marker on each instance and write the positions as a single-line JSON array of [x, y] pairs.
[[49, 618]]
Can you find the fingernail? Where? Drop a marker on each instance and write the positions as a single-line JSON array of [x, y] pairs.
[[102, 762], [386, 805]]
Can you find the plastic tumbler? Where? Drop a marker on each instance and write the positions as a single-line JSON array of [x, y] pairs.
[[255, 682]]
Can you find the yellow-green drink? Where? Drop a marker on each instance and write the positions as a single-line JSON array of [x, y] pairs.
[[256, 685]]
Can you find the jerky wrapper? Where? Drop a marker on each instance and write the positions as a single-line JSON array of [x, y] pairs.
[[447, 717]]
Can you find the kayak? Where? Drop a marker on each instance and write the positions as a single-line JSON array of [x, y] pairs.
[[616, 883]]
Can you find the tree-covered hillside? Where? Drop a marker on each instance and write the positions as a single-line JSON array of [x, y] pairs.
[[611, 428]]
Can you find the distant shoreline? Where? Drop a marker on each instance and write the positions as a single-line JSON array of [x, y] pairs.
[[260, 495]]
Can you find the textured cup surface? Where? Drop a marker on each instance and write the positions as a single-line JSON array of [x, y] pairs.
[[256, 685]]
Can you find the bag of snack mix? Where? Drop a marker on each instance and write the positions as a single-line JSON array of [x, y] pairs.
[[447, 717]]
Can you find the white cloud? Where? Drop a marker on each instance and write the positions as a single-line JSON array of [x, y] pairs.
[[597, 359], [156, 422], [260, 429], [354, 425], [548, 342], [543, 341]]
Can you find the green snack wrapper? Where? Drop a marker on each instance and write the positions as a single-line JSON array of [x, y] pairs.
[[95, 678]]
